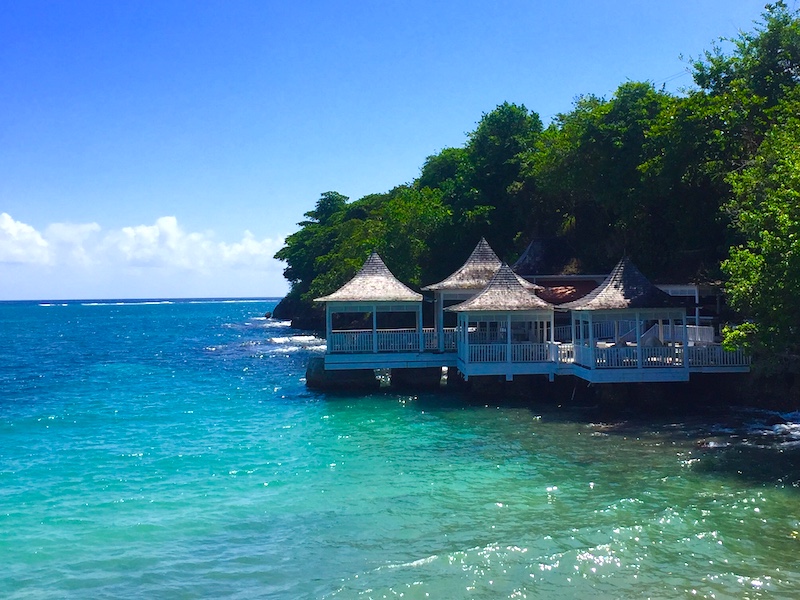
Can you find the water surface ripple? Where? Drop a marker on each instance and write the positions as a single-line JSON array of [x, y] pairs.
[[171, 450]]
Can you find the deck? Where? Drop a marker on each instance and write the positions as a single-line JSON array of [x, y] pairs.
[[602, 363]]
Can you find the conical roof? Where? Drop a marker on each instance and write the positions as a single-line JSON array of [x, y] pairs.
[[504, 292], [625, 287], [373, 283], [474, 274], [543, 256]]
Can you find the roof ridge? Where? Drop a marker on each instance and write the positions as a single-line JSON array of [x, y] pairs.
[[374, 282], [624, 287], [506, 291]]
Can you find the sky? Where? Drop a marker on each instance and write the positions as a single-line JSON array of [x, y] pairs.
[[166, 149]]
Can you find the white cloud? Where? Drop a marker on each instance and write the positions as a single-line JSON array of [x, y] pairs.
[[68, 241], [21, 244], [166, 244], [162, 259], [251, 251]]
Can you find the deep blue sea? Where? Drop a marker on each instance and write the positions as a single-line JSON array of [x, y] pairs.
[[171, 450]]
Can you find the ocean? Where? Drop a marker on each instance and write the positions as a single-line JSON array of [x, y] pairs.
[[170, 449]]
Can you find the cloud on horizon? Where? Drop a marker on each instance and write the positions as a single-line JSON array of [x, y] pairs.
[[159, 251]]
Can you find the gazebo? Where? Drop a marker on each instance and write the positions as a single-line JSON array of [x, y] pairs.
[[506, 329], [370, 314], [463, 284], [628, 330]]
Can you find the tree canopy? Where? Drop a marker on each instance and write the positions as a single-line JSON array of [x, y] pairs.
[[694, 187]]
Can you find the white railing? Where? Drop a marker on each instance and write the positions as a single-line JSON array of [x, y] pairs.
[[666, 356], [408, 340], [615, 358], [566, 353], [524, 352], [484, 353], [354, 341], [716, 356], [430, 339], [359, 341], [450, 338], [530, 352], [582, 355], [398, 340]]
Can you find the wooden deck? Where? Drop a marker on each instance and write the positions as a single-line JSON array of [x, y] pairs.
[[603, 363]]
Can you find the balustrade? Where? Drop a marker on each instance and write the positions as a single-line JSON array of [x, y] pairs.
[[716, 356]]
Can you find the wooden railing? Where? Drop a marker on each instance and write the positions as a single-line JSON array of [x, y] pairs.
[[524, 352], [566, 353], [530, 352], [350, 341], [716, 356], [627, 357], [667, 356], [485, 353], [359, 341], [398, 340], [615, 358]]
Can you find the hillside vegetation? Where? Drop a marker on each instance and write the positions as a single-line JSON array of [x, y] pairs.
[[702, 186]]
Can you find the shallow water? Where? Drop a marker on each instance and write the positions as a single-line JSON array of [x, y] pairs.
[[156, 450]]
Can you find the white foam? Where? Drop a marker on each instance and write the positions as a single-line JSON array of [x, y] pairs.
[[277, 324], [141, 303], [297, 339]]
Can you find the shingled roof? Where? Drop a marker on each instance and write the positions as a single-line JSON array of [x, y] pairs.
[[373, 283], [504, 292], [625, 287], [543, 256], [474, 274]]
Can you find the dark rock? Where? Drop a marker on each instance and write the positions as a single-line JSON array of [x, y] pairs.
[[417, 379], [351, 379]]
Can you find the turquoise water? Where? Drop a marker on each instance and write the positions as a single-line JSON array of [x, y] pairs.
[[171, 450]]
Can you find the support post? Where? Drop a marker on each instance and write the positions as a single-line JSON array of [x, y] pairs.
[[638, 342], [420, 331], [508, 343], [438, 315], [374, 329], [328, 326]]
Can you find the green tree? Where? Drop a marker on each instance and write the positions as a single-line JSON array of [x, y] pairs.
[[764, 270], [315, 238]]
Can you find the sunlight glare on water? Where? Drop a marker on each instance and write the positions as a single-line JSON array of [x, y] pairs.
[[171, 450]]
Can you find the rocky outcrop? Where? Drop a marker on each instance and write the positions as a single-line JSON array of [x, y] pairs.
[[301, 314]]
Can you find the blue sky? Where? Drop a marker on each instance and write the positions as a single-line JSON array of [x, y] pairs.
[[165, 149]]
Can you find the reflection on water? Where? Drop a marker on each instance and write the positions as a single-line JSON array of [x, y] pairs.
[[173, 451]]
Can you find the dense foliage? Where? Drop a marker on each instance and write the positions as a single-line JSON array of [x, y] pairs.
[[698, 186]]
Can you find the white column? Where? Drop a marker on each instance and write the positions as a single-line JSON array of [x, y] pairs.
[[419, 328], [328, 325], [508, 340], [374, 330], [685, 342], [438, 315], [638, 342]]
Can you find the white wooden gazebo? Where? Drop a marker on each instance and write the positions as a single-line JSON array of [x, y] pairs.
[[357, 315], [628, 330], [464, 283], [506, 329]]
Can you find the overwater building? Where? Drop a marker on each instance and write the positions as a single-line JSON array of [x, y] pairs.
[[490, 321]]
